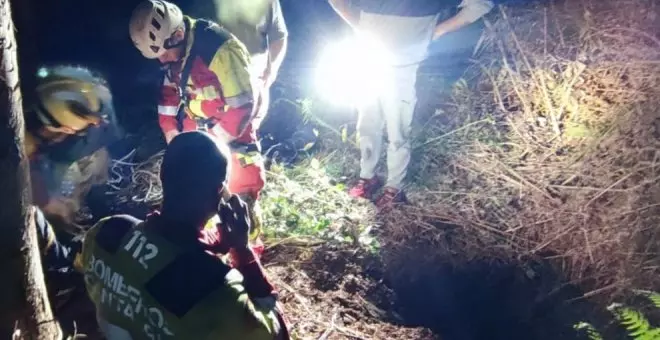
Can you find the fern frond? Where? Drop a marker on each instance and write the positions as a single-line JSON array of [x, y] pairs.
[[635, 322], [653, 334], [651, 295], [587, 328]]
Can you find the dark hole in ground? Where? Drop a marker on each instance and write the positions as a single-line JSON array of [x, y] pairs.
[[485, 301], [480, 300]]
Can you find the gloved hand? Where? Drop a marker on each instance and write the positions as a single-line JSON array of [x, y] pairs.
[[234, 223]]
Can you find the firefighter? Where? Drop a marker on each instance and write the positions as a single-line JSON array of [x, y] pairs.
[[207, 86], [158, 279], [68, 128]]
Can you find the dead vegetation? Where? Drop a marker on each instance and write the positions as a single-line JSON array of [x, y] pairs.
[[328, 294], [549, 148]]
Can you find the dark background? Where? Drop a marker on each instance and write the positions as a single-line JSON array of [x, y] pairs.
[[94, 34]]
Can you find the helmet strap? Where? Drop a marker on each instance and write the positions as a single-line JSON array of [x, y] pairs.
[[44, 117]]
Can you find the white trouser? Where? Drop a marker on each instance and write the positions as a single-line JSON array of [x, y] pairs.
[[394, 110]]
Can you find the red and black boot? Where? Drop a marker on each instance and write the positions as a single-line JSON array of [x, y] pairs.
[[365, 188]]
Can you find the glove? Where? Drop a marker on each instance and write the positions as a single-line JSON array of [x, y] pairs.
[[234, 223]]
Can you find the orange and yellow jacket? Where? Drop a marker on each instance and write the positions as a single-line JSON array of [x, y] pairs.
[[218, 84]]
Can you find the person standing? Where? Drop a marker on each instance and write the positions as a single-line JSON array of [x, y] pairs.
[[264, 33], [406, 28]]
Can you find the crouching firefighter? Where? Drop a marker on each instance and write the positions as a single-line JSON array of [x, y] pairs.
[[158, 279], [67, 128], [207, 86]]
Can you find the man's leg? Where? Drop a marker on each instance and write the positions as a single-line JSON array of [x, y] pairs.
[[370, 132], [398, 113]]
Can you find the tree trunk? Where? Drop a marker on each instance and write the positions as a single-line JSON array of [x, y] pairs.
[[28, 22], [24, 306]]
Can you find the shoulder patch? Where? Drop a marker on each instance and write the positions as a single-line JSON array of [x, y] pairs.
[[188, 279], [112, 231]]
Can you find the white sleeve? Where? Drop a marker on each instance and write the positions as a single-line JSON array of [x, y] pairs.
[[473, 10]]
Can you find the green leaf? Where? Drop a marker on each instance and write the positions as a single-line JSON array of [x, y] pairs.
[[344, 134], [635, 322], [653, 334]]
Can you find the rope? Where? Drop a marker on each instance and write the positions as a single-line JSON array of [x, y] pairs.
[[127, 177]]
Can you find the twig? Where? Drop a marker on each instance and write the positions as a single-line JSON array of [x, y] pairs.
[[301, 299], [610, 187], [589, 250], [296, 241], [496, 89], [329, 330], [598, 291], [540, 81], [640, 209], [433, 140]]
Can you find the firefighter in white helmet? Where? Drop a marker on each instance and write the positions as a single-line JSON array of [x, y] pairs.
[[207, 86]]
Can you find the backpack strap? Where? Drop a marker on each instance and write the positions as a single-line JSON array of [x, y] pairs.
[[209, 37]]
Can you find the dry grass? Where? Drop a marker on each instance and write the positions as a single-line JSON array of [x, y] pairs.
[[553, 149]]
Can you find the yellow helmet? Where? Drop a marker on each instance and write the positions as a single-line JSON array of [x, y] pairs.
[[72, 97]]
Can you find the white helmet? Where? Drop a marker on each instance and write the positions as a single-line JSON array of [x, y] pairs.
[[152, 23]]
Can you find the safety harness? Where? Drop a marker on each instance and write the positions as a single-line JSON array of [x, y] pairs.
[[209, 37]]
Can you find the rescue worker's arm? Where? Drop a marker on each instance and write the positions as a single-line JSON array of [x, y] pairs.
[[230, 65], [471, 11], [55, 254], [261, 294], [235, 233], [256, 283], [277, 43], [167, 109], [346, 10]]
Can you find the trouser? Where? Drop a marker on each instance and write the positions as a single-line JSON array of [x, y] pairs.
[[394, 110], [262, 110], [246, 179]]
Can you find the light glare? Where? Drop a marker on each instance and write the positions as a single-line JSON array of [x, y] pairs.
[[354, 71]]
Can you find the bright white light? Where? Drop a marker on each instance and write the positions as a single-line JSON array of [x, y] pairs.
[[354, 71]]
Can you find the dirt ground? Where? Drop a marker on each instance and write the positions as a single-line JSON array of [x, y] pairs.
[[336, 293]]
